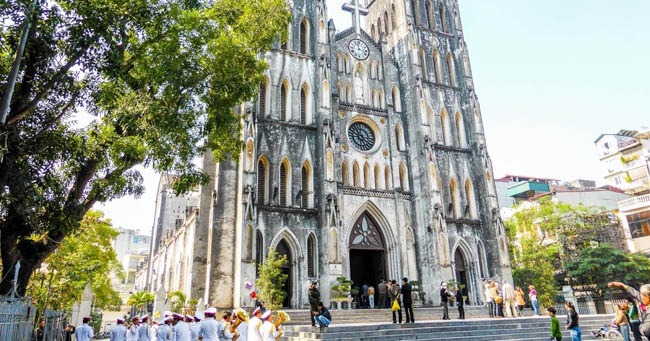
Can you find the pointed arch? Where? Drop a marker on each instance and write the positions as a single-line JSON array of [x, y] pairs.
[[423, 64], [263, 101], [399, 137], [285, 45], [312, 259], [373, 98], [326, 93], [333, 246], [432, 123], [355, 174], [470, 198], [382, 103], [386, 23], [377, 176], [380, 27], [467, 70], [259, 250], [393, 16], [442, 11], [329, 165], [305, 104], [262, 180], [348, 65], [490, 184], [436, 65], [379, 75], [454, 195], [345, 176], [416, 11], [340, 67], [250, 155], [290, 238], [348, 93], [482, 260], [304, 36], [249, 245], [397, 100], [446, 129], [371, 70], [285, 182], [403, 177], [366, 176], [433, 180], [431, 22], [477, 122], [322, 32], [285, 101], [388, 178], [460, 131], [452, 70], [443, 248], [306, 185], [373, 33]]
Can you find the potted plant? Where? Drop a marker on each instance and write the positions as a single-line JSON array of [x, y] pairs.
[[342, 290]]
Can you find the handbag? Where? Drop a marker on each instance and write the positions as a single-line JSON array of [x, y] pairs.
[[396, 306]]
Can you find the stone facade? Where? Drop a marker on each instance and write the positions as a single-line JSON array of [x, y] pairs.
[[366, 162]]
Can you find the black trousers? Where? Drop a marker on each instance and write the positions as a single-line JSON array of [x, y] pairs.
[[408, 309], [399, 312], [461, 312], [445, 310], [313, 308]]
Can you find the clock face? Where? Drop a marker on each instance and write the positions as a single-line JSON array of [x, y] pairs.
[[358, 49]]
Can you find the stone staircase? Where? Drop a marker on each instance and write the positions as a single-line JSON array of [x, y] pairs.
[[519, 329]]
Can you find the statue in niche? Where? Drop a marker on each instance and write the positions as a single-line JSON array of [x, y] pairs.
[[358, 86]]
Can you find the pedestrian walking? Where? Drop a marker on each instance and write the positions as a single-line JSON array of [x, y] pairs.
[[494, 294], [556, 333], [460, 301], [407, 298], [394, 292], [371, 297], [85, 332], [444, 299], [519, 300], [314, 298], [622, 322], [641, 296], [633, 317], [382, 291], [572, 322], [489, 301], [532, 295], [508, 299], [364, 296], [118, 333]]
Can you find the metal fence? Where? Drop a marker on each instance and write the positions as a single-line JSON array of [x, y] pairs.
[[18, 321]]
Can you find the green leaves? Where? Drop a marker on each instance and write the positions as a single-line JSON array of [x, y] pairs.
[[271, 279]]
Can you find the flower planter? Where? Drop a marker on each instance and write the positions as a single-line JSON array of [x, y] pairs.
[[339, 303]]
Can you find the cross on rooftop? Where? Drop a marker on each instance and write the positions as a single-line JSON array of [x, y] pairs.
[[357, 11]]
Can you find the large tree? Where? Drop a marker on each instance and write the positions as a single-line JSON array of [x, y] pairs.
[[106, 85]]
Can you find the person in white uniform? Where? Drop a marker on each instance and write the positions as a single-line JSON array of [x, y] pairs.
[[181, 328], [165, 330], [254, 326], [224, 327], [132, 333], [85, 332], [118, 333], [143, 329], [243, 331], [209, 326], [269, 331], [195, 328]]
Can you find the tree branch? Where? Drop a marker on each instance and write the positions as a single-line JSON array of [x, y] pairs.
[[49, 125]]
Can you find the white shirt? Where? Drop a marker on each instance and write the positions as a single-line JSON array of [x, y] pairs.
[[195, 329], [182, 331], [84, 333], [164, 333], [488, 295], [269, 331], [224, 331], [118, 333], [508, 292], [132, 334], [243, 331], [254, 333], [209, 329], [143, 333]]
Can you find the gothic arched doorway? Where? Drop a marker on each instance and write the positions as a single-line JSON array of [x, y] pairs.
[[367, 252], [462, 272], [283, 249]]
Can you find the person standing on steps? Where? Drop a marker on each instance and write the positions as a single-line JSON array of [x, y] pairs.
[[556, 334], [461, 303], [509, 299], [394, 292], [532, 294], [371, 297], [572, 322], [381, 294], [314, 298], [407, 298], [488, 299], [519, 300], [364, 296], [444, 299], [622, 322]]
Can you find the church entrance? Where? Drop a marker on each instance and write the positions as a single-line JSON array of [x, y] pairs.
[[283, 249], [461, 272], [367, 253]]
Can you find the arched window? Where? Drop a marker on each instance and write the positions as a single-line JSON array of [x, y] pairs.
[[379, 75], [399, 136], [429, 14], [373, 95], [323, 35], [416, 11], [433, 181], [386, 23], [403, 177], [304, 36], [303, 105], [436, 65], [372, 72], [444, 251], [373, 33], [285, 183], [481, 260], [387, 178], [348, 67], [263, 97], [453, 188], [329, 165], [431, 118], [250, 155], [382, 103], [305, 183], [477, 122], [259, 251], [446, 132], [355, 174], [339, 63], [285, 44], [326, 93], [490, 185], [423, 65], [345, 176], [377, 175], [460, 131], [366, 176], [443, 18], [393, 16], [262, 180], [348, 93], [380, 28], [469, 196], [249, 246], [468, 72], [311, 256], [284, 99], [397, 101], [452, 72]]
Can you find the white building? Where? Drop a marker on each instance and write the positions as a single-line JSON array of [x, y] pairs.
[[625, 158], [132, 249]]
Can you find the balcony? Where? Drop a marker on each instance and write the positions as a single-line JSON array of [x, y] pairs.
[[634, 203]]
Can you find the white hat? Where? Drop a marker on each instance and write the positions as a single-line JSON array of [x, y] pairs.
[[266, 315], [189, 317], [167, 313], [120, 320], [211, 311], [144, 317], [168, 318], [177, 316], [198, 316], [257, 310]]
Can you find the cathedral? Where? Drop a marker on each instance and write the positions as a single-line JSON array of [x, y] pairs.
[[364, 157]]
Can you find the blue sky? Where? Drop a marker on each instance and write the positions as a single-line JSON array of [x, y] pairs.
[[551, 76]]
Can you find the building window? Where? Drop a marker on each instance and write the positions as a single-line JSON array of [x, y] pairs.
[[306, 185], [443, 18], [284, 94], [304, 38], [345, 177], [285, 182], [262, 180], [639, 224], [303, 106], [311, 256], [259, 251]]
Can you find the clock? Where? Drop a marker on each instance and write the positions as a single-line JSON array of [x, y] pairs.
[[358, 49]]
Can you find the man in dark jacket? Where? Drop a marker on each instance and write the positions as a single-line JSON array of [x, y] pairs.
[[314, 298], [407, 298], [382, 291], [394, 293], [444, 299], [322, 316], [461, 304]]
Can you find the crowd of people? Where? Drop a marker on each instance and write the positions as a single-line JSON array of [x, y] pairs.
[[502, 300]]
